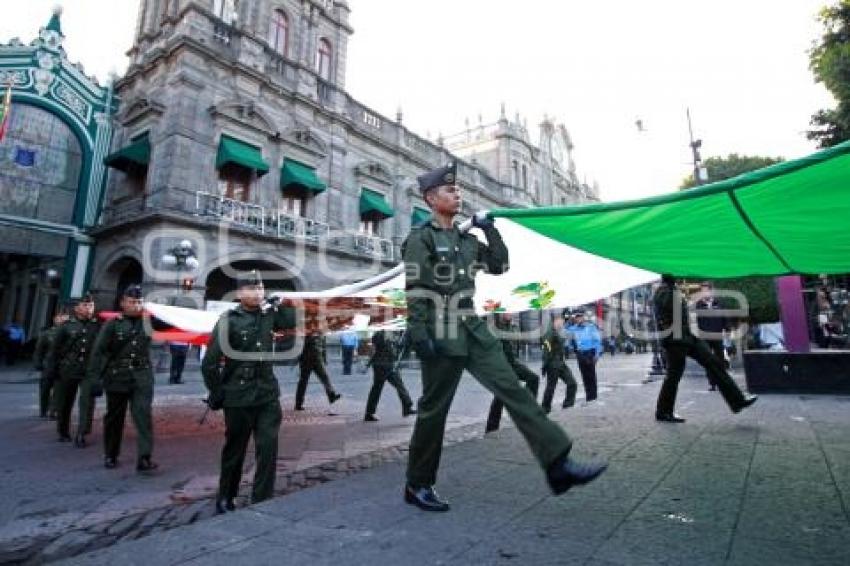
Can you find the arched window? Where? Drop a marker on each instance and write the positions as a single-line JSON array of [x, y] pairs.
[[323, 59], [279, 32], [524, 177]]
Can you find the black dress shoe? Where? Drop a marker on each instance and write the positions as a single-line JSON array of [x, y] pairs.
[[546, 409], [224, 504], [668, 418], [110, 463], [425, 498], [371, 419], [567, 472], [299, 407], [334, 397], [748, 400], [64, 438], [80, 441], [407, 411], [146, 465], [568, 404]]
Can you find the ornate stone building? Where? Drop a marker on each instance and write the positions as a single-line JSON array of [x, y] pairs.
[[235, 132]]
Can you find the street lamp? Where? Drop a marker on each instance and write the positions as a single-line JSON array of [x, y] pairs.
[[180, 257]]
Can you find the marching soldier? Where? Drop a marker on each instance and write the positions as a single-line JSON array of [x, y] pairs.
[[121, 367], [523, 373], [68, 359], [237, 370], [46, 389], [383, 364], [555, 368], [440, 263], [671, 312], [314, 359]]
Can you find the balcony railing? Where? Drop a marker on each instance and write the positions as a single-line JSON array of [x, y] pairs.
[[374, 246], [242, 213], [298, 227]]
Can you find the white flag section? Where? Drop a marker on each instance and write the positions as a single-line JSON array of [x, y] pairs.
[[543, 274]]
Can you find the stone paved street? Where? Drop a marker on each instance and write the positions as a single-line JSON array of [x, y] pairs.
[[768, 486]]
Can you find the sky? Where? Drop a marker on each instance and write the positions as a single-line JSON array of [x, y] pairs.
[[740, 66]]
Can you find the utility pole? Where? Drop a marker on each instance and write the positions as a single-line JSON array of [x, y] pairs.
[[699, 172]]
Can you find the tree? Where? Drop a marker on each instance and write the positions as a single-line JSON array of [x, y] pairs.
[[720, 168], [760, 291], [829, 61]]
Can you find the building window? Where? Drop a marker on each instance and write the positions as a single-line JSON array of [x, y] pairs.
[[525, 177], [323, 59], [234, 182], [279, 32], [515, 173], [370, 227]]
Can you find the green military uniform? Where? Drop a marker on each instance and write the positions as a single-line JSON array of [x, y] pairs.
[[313, 359], [441, 266], [679, 343], [523, 373], [121, 366], [383, 364], [237, 370], [556, 368], [46, 401], [68, 360]]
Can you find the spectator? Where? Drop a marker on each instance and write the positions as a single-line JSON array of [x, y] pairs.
[[15, 338], [178, 361], [349, 342], [587, 344]]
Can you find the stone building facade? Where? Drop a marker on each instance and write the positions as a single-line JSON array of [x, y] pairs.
[[235, 132]]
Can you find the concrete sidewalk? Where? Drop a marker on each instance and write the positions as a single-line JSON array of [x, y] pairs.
[[768, 486]]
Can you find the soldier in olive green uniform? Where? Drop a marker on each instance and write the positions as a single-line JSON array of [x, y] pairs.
[[121, 367], [441, 262], [237, 369], [383, 364], [46, 389], [555, 367], [523, 373], [313, 359], [67, 360], [671, 312]]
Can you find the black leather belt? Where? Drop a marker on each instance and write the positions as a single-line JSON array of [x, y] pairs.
[[135, 365]]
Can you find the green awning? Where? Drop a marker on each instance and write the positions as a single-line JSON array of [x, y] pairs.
[[231, 150], [787, 218], [419, 216], [373, 204], [297, 175], [130, 157]]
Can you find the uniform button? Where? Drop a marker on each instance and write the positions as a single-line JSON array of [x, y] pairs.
[[461, 271], [132, 355], [83, 340], [259, 344], [133, 343]]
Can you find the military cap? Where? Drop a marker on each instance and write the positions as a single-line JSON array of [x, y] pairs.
[[84, 298], [247, 278], [134, 291], [438, 177]]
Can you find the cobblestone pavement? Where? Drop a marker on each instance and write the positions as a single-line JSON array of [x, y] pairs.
[[768, 486], [58, 501]]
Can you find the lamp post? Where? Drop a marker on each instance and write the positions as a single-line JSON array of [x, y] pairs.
[[182, 257]]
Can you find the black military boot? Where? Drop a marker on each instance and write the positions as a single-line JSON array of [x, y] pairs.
[[145, 465], [109, 462], [334, 397], [425, 498], [224, 504], [371, 418], [408, 411], [566, 472], [80, 441]]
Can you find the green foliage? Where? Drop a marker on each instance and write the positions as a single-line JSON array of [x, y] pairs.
[[829, 61], [760, 293], [721, 168]]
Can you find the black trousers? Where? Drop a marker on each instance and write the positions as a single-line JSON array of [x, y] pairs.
[[677, 353], [306, 369], [532, 384], [587, 367], [552, 376], [347, 359], [386, 374], [67, 394], [178, 362], [46, 396]]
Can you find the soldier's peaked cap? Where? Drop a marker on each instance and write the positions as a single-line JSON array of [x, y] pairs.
[[446, 175], [84, 298], [133, 291], [247, 278]]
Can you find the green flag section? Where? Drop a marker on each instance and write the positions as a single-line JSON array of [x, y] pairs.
[[233, 151], [373, 204], [133, 156], [294, 174], [791, 217]]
